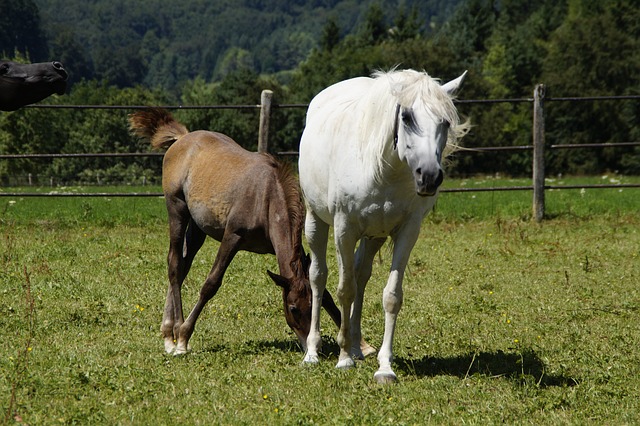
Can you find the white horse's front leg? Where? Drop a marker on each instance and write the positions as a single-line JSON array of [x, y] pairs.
[[345, 246], [392, 302], [317, 233], [392, 298]]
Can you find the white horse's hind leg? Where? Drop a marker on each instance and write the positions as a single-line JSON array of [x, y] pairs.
[[317, 233], [365, 254]]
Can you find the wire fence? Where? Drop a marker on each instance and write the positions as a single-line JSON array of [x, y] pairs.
[[538, 183]]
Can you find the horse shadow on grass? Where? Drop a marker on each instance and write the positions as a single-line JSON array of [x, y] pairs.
[[525, 367], [256, 347], [330, 348]]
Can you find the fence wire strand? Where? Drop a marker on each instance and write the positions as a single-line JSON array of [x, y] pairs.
[[462, 150]]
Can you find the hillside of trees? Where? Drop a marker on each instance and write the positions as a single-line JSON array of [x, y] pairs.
[[224, 52], [163, 44]]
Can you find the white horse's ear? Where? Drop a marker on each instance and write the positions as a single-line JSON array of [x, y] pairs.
[[453, 86]]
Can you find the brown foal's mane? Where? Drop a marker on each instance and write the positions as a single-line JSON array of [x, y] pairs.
[[295, 208]]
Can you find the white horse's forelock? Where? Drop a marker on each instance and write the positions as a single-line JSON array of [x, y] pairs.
[[378, 106]]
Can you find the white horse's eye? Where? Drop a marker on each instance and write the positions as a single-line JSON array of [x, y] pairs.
[[409, 121]]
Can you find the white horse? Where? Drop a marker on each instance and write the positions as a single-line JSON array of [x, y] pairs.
[[370, 166]]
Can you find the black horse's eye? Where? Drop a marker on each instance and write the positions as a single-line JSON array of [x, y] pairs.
[[407, 118]]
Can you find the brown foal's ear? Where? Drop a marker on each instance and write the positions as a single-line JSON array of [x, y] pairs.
[[305, 260], [279, 280]]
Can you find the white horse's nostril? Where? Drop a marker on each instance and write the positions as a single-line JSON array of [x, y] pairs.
[[439, 179]]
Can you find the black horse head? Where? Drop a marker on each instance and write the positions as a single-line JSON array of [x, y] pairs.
[[24, 84]]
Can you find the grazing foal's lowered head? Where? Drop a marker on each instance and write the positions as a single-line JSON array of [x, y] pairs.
[[292, 260], [296, 298], [24, 84]]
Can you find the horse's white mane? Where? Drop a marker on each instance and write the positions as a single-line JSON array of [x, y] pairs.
[[401, 87]]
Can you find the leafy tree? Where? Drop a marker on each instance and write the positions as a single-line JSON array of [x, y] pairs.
[[205, 53], [165, 44], [66, 48], [240, 87], [374, 29], [21, 32], [330, 35], [595, 52], [406, 25]]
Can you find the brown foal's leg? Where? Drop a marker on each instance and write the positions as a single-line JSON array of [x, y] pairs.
[[172, 317], [228, 248]]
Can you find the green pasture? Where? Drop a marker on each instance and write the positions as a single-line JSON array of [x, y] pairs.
[[504, 320]]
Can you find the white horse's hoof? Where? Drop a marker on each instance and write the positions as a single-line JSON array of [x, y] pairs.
[[345, 364], [310, 359], [385, 377]]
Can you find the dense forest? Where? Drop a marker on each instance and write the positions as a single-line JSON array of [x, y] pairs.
[[164, 44], [226, 52]]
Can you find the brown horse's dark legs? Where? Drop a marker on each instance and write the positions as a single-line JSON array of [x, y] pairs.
[[228, 248], [172, 318], [166, 327], [194, 239]]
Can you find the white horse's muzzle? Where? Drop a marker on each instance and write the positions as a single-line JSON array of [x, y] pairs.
[[427, 184]]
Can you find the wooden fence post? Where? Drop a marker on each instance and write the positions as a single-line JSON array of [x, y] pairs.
[[265, 114], [538, 153]]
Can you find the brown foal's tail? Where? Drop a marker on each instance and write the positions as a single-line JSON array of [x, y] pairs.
[[157, 125]]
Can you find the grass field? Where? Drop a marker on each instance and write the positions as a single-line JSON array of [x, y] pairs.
[[504, 320]]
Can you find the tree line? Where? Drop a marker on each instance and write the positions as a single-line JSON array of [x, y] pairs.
[[575, 47]]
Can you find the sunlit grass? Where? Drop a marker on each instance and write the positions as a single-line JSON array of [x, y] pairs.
[[504, 321]]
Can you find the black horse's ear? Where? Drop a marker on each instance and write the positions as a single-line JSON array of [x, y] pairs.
[[279, 280]]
